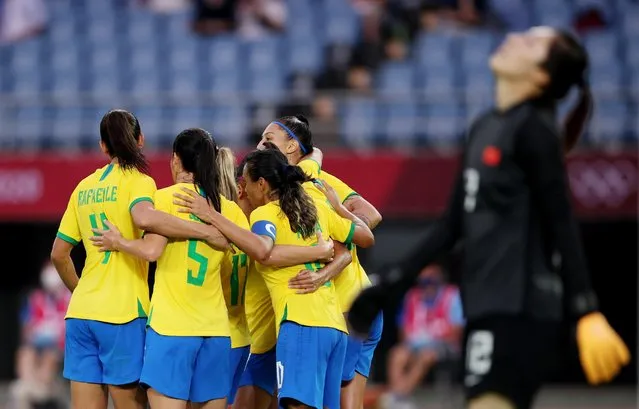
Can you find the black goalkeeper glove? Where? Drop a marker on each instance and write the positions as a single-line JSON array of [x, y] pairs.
[[371, 301]]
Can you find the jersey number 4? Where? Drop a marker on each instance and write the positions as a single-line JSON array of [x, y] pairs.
[[93, 219]]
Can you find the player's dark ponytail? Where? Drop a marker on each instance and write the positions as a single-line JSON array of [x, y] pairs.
[[286, 181], [120, 133], [297, 127], [567, 66], [198, 152]]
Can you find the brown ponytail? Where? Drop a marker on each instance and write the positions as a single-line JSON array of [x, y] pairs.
[[577, 118], [120, 132]]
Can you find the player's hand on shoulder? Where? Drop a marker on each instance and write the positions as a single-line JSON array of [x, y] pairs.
[[193, 203], [601, 351], [107, 239], [329, 192]]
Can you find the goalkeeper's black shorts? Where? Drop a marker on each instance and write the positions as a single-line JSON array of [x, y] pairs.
[[510, 356]]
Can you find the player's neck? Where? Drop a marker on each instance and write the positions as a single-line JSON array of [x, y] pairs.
[[294, 158], [509, 94], [184, 177]]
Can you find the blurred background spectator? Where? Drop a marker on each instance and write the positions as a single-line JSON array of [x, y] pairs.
[[430, 326], [39, 358], [20, 19]]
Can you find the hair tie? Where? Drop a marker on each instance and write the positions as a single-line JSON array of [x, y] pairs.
[[291, 134]]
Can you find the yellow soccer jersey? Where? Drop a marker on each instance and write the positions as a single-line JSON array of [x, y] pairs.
[[234, 275], [187, 297], [353, 279], [113, 287], [321, 308], [260, 315]]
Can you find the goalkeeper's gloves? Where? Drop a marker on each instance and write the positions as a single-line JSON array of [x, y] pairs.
[[601, 351]]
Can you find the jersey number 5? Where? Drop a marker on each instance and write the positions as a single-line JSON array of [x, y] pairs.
[[203, 265], [240, 262], [93, 219], [471, 187]]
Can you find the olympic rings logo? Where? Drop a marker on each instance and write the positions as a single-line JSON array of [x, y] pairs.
[[603, 182]]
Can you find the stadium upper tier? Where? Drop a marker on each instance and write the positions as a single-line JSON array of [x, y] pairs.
[[101, 54]]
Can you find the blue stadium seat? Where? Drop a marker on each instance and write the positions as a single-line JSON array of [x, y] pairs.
[[141, 28], [153, 123], [105, 83], [184, 82], [305, 56], [225, 83], [437, 81], [341, 28], [26, 55], [434, 49], [143, 58], [633, 83], [629, 18], [104, 57], [28, 126], [67, 127], [267, 85], [65, 57], [603, 47], [101, 31], [444, 123], [144, 84], [62, 31], [358, 123], [229, 124], [225, 54], [66, 84], [183, 55], [554, 13], [400, 122], [27, 83], [609, 121], [476, 46], [264, 53], [185, 117], [632, 53], [606, 79], [395, 79]]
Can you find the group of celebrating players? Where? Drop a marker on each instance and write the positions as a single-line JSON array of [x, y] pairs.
[[256, 267]]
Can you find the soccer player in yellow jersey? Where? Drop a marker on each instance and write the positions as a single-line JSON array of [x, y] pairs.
[[293, 137], [105, 321], [188, 344], [307, 325], [258, 380]]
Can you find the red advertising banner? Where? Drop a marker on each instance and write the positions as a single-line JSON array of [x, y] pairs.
[[37, 188]]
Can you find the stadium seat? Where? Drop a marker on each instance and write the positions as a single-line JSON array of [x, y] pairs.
[[266, 85], [144, 84], [184, 117], [183, 55], [633, 84], [443, 124], [28, 127], [606, 79], [437, 82], [395, 80], [264, 53], [358, 122], [434, 49], [224, 54], [609, 121], [153, 123], [67, 127], [224, 83], [399, 122], [341, 27], [476, 46], [632, 52], [184, 83], [553, 13], [26, 55], [304, 56], [229, 123], [603, 47], [629, 17]]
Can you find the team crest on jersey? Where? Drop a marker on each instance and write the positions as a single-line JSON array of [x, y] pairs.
[[491, 156]]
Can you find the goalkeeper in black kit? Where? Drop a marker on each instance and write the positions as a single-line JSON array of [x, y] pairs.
[[524, 275]]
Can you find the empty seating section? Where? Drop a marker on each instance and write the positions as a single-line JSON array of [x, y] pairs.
[[101, 54]]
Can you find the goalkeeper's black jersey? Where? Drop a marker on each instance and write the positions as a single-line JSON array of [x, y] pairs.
[[510, 208]]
